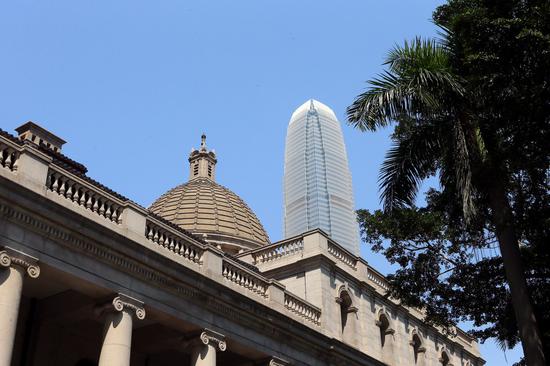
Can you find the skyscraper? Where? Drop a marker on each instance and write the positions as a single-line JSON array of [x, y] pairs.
[[317, 180]]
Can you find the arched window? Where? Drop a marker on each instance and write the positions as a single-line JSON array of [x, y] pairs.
[[385, 329], [444, 359], [348, 316], [345, 306], [418, 348], [386, 337]]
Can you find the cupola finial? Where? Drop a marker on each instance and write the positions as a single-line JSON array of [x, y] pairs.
[[202, 162]]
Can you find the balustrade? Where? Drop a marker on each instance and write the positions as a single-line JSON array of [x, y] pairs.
[[378, 279], [342, 255], [173, 242], [9, 157], [302, 308], [244, 278], [277, 251], [84, 195]]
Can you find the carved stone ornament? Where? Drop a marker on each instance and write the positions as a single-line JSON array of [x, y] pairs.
[[276, 361], [122, 302], [10, 257], [208, 336]]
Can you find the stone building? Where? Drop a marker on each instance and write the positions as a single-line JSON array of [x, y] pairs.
[[89, 277]]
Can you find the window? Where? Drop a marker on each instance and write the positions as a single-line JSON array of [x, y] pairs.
[[416, 343], [345, 308], [384, 325], [444, 359]]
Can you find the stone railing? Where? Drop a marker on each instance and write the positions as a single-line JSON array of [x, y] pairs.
[[172, 241], [302, 308], [342, 255], [378, 279], [244, 277], [84, 194], [9, 155], [278, 250]]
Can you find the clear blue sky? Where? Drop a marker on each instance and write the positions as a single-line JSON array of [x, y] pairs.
[[131, 85]]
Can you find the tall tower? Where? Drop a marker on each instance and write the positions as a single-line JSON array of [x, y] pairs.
[[317, 180]]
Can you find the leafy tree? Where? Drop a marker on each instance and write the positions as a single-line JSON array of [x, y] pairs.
[[474, 109], [450, 269]]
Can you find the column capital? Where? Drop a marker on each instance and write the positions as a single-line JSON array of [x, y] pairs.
[[10, 257], [121, 302], [207, 336]]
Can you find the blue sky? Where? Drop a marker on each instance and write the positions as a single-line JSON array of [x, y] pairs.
[[131, 85]]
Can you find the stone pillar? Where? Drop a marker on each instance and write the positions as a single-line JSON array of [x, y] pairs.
[[204, 349], [14, 265], [117, 334]]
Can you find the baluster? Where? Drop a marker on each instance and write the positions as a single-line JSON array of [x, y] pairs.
[[171, 244], [116, 216], [7, 162], [63, 186], [82, 200], [55, 184], [102, 208], [95, 206]]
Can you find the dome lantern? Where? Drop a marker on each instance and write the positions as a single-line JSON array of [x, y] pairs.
[[202, 162], [210, 210]]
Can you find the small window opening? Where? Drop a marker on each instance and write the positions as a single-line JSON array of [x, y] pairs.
[[416, 343], [444, 359], [384, 327], [196, 169], [345, 307], [210, 170]]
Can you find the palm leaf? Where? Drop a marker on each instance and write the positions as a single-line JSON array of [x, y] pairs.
[[412, 158]]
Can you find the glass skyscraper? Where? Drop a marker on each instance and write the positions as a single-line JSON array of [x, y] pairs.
[[317, 180]]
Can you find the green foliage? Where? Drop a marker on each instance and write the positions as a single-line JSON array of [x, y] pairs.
[[473, 109]]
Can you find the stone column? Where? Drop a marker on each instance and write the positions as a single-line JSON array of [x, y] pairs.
[[117, 334], [204, 349], [14, 265]]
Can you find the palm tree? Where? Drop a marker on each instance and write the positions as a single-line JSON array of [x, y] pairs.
[[436, 134]]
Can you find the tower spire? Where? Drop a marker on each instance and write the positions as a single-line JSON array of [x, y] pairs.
[[202, 162]]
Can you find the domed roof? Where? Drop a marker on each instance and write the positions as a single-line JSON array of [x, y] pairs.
[[205, 207]]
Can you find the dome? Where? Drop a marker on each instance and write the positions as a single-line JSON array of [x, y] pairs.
[[207, 208]]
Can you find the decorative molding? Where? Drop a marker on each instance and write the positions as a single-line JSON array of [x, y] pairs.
[[122, 302], [207, 336], [276, 361], [10, 256]]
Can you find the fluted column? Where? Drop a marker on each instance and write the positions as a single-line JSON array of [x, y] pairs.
[[204, 349], [117, 334], [14, 266]]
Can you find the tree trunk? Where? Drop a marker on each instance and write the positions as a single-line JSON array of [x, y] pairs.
[[511, 257]]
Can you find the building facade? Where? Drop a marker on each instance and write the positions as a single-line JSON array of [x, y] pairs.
[[317, 181], [88, 277]]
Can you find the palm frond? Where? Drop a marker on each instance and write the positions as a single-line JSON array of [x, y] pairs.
[[412, 158], [416, 84]]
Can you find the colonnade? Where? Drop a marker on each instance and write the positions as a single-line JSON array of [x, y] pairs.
[[118, 315]]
